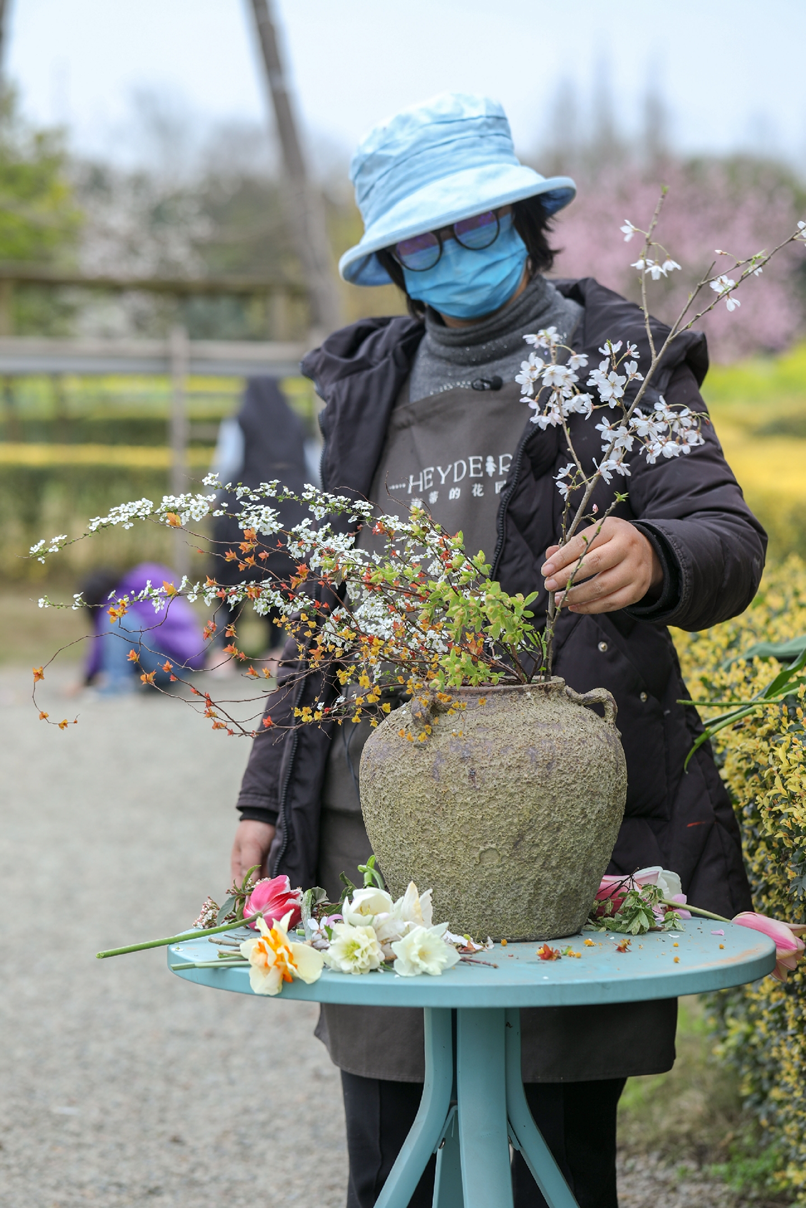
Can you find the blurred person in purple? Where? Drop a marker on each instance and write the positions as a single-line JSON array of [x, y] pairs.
[[172, 635]]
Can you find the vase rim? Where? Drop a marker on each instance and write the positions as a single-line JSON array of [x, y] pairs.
[[556, 682]]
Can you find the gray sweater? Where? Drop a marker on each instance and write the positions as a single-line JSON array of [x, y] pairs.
[[456, 356]]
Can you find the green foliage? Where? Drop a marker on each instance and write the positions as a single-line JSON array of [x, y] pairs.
[[51, 498], [39, 220], [635, 915], [762, 1028], [372, 875]]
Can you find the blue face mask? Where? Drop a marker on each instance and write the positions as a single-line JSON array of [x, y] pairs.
[[467, 284]]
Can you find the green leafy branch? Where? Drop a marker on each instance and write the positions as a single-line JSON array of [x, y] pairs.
[[783, 685]]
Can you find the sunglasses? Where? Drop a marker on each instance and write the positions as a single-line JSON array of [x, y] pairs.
[[423, 251]]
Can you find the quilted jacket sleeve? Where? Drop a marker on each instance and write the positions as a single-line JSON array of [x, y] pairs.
[[709, 542]]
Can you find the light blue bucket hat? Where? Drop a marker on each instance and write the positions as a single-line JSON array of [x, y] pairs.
[[432, 164]]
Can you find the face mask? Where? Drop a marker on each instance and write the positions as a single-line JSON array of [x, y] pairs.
[[467, 284]]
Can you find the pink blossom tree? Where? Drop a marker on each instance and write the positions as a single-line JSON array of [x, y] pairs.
[[738, 206]]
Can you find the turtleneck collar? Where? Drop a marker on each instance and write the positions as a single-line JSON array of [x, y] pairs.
[[447, 355]]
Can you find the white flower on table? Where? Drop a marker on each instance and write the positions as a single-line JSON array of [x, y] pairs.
[[424, 950], [353, 949], [389, 920], [365, 904]]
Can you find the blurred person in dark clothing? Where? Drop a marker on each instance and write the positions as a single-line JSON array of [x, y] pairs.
[[264, 441]]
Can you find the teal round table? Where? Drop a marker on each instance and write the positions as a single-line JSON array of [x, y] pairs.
[[473, 1106]]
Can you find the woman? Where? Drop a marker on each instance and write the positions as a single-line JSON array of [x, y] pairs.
[[426, 407]]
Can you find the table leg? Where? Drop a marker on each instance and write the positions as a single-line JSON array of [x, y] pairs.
[[524, 1132], [482, 1108], [433, 1111], [448, 1180]]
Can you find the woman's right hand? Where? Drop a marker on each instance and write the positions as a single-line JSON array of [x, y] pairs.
[[252, 842]]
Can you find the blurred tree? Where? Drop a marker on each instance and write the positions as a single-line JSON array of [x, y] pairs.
[[39, 218], [739, 204]]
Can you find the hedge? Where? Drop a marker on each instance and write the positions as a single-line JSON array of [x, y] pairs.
[[40, 500], [761, 1028]]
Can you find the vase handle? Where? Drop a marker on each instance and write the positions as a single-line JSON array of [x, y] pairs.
[[596, 696]]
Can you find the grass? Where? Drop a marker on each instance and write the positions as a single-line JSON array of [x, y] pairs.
[[693, 1116], [30, 635]]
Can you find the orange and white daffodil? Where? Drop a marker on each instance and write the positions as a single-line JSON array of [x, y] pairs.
[[274, 959], [353, 949], [424, 950]]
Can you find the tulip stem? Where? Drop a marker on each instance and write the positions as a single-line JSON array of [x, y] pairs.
[[198, 933], [694, 910], [213, 965]]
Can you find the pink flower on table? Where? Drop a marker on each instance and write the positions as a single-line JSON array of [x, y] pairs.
[[275, 897], [788, 944], [615, 889]]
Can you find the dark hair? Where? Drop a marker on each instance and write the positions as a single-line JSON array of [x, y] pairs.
[[533, 225], [96, 586]]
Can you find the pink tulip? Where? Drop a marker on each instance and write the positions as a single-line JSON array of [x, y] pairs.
[[275, 897], [615, 890], [788, 945]]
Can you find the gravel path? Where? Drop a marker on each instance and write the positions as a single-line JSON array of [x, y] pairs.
[[123, 1084]]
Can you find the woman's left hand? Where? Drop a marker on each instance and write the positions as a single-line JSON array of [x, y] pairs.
[[619, 568]]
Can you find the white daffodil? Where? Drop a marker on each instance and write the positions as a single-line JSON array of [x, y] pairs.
[[424, 950], [365, 904], [274, 959], [415, 908], [353, 949]]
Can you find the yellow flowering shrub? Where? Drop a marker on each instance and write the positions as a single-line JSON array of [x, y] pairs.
[[762, 1028], [758, 406]]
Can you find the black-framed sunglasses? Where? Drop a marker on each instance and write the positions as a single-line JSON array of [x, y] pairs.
[[422, 252]]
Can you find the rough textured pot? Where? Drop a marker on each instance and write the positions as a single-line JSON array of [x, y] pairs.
[[509, 810]]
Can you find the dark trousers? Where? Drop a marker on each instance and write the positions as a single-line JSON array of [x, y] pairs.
[[577, 1119]]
